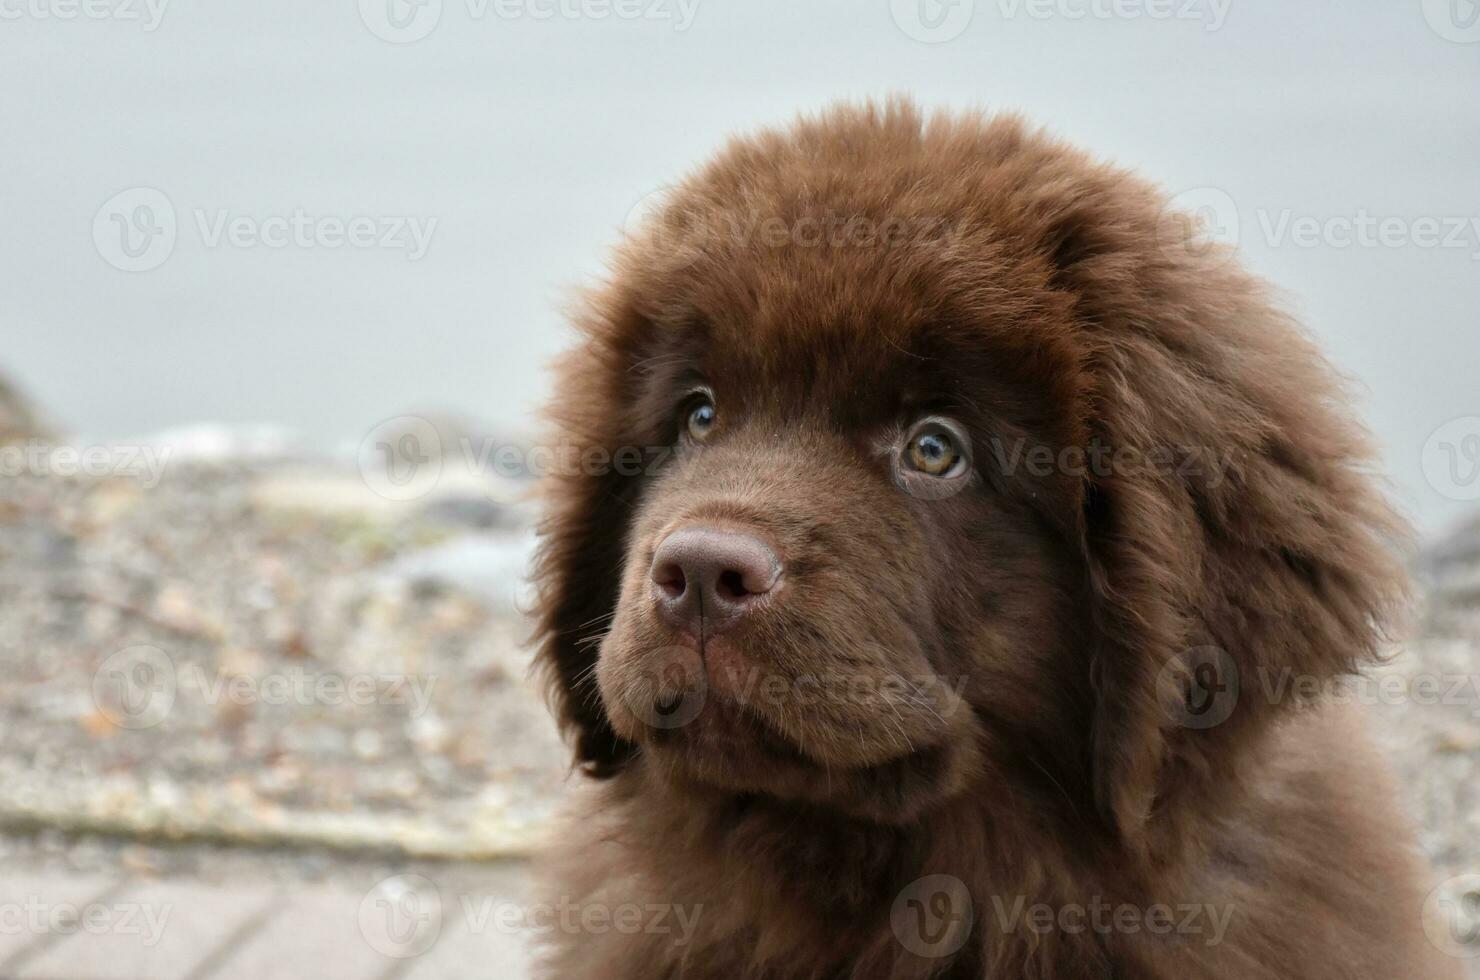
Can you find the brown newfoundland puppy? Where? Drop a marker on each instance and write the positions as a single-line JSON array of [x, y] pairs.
[[947, 580]]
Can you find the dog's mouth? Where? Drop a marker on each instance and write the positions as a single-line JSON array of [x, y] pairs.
[[728, 730], [685, 699], [720, 704], [717, 744]]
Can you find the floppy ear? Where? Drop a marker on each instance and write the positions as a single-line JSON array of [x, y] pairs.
[[589, 501], [1234, 539]]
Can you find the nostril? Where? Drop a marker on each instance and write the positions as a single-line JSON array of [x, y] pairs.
[[670, 580], [731, 585]]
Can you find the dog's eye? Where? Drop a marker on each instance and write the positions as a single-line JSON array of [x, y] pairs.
[[700, 418], [936, 449], [933, 453]]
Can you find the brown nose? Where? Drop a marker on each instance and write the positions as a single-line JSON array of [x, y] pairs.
[[705, 580]]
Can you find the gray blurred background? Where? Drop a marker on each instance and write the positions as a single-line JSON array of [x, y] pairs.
[[247, 246], [528, 140]]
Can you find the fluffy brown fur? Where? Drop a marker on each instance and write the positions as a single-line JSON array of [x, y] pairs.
[[1022, 645]]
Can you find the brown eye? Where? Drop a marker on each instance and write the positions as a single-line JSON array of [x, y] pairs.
[[701, 418], [934, 452]]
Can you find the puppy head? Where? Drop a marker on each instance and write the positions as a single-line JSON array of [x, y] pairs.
[[918, 456], [820, 591]]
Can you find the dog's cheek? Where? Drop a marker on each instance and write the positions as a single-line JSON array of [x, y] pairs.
[[613, 684], [619, 663], [639, 665]]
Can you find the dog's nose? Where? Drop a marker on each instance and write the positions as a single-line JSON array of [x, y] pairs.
[[705, 579]]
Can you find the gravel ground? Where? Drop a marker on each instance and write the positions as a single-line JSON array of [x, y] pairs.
[[268, 654]]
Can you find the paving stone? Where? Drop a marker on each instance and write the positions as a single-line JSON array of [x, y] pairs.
[[40, 910], [477, 941], [312, 934], [153, 931], [466, 953]]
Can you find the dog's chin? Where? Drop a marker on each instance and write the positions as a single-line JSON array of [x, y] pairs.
[[727, 749], [728, 745], [899, 790]]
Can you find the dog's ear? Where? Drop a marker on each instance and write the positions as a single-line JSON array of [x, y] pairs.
[[1238, 550], [589, 492]]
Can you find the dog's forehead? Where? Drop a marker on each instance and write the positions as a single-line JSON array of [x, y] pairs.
[[846, 360], [807, 323], [860, 329]]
